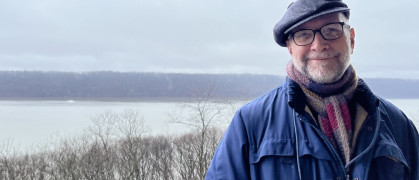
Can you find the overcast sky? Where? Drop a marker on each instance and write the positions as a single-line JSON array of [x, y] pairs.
[[193, 36]]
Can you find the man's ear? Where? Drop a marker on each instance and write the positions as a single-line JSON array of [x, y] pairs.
[[352, 40], [289, 47]]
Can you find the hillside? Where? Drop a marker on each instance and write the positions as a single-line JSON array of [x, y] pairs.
[[140, 86]]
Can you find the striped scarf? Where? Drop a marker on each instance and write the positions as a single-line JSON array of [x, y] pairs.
[[330, 102]]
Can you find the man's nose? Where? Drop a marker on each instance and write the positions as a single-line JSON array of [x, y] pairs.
[[319, 43]]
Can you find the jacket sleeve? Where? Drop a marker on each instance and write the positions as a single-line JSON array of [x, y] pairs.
[[231, 159], [406, 136], [414, 151]]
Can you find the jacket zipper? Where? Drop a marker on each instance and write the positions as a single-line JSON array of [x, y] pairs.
[[345, 170], [329, 145], [374, 137]]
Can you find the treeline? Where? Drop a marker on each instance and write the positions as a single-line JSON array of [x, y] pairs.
[[117, 85], [115, 148], [144, 86], [159, 157]]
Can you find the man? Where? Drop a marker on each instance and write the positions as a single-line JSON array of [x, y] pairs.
[[324, 122]]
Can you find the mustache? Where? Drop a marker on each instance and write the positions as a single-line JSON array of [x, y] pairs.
[[321, 55]]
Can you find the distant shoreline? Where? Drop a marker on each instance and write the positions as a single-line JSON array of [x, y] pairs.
[[99, 99], [139, 87], [126, 99], [112, 99]]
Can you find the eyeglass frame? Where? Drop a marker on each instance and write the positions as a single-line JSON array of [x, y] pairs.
[[291, 35]]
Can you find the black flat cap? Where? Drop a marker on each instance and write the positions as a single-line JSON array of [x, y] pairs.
[[302, 11]]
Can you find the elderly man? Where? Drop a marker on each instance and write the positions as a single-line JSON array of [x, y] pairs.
[[324, 122]]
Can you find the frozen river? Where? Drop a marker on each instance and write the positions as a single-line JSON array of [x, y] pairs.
[[34, 122]]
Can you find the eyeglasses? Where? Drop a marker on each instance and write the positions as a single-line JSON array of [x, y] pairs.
[[331, 31]]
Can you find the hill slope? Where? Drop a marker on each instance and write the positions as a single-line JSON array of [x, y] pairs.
[[137, 86]]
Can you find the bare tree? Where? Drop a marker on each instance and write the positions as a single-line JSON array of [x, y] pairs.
[[110, 129], [8, 160], [188, 150], [132, 156], [186, 156], [115, 147], [103, 128], [132, 150], [130, 124], [162, 158], [203, 112]]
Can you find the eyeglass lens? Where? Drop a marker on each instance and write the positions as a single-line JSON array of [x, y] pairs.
[[328, 32]]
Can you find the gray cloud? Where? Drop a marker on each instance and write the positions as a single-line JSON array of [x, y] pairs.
[[189, 36]]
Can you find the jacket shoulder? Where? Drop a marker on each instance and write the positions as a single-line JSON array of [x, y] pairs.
[[393, 113], [265, 103], [404, 132], [396, 121], [267, 117]]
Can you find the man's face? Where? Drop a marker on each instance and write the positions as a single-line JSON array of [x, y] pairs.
[[323, 61]]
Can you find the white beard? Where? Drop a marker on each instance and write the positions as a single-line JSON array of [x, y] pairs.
[[328, 71]]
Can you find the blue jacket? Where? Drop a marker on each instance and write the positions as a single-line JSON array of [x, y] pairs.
[[261, 141]]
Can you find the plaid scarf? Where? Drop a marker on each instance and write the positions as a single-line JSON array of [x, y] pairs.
[[330, 102]]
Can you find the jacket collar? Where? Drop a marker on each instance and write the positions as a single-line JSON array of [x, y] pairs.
[[363, 95], [296, 97]]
